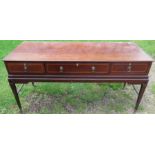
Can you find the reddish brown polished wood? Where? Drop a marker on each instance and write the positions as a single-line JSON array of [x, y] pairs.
[[78, 62], [21, 67], [29, 51]]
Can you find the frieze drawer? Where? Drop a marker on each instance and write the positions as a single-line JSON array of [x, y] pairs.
[[25, 68], [77, 68], [130, 68]]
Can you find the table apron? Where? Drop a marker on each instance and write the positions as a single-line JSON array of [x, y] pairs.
[[91, 79]]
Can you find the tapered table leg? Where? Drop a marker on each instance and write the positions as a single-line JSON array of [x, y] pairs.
[[141, 92], [14, 90]]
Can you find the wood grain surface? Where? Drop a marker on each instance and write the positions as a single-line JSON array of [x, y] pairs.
[[79, 52]]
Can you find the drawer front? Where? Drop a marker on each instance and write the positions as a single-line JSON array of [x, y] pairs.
[[25, 68], [94, 68], [77, 68], [130, 68]]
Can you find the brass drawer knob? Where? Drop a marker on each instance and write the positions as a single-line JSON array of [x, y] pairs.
[[129, 67], [93, 68], [25, 67], [61, 68]]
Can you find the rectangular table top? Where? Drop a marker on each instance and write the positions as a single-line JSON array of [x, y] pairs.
[[78, 51]]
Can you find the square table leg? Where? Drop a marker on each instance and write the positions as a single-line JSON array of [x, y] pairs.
[[140, 95], [14, 90]]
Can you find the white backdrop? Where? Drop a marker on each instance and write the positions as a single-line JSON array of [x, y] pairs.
[[77, 20]]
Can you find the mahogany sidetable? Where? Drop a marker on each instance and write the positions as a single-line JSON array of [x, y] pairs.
[[78, 62]]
